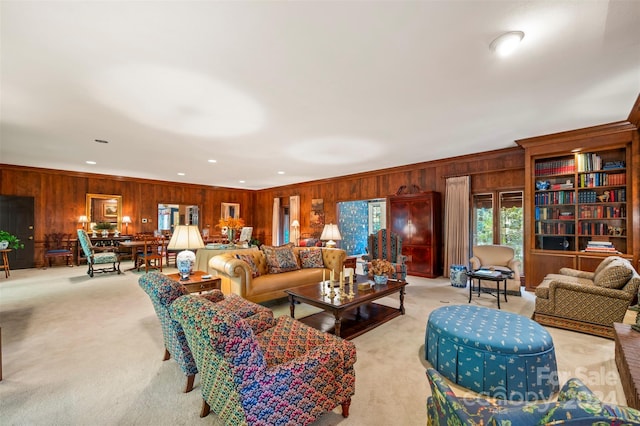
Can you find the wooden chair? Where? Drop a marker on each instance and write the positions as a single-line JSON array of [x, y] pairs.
[[152, 254], [56, 245]]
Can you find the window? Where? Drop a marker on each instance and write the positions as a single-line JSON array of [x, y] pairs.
[[503, 225]]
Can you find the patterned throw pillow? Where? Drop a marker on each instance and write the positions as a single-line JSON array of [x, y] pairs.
[[255, 272], [280, 259], [615, 275], [311, 258]]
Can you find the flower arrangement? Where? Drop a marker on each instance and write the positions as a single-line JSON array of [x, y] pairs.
[[12, 241], [230, 223], [381, 267]]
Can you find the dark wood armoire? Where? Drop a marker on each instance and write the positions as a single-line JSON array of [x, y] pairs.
[[417, 218]]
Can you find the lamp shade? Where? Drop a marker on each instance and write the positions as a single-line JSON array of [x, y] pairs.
[[83, 219], [331, 233], [126, 219], [295, 223], [185, 237]]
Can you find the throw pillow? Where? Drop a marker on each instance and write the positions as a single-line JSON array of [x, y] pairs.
[[255, 272], [311, 258], [615, 275], [280, 259]]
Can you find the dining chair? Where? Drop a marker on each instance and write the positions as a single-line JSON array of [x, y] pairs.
[[58, 244], [152, 254]]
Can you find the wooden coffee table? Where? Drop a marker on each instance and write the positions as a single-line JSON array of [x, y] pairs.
[[495, 276], [197, 284], [344, 317]]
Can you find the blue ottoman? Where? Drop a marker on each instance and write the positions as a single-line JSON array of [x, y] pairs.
[[492, 352]]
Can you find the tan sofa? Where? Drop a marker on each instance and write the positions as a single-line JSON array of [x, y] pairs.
[[268, 286], [500, 258], [588, 302]]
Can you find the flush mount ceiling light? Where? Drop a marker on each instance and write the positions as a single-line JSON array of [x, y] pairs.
[[506, 43]]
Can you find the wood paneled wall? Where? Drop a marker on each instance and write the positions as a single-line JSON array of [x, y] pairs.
[[59, 198], [500, 169], [60, 195]]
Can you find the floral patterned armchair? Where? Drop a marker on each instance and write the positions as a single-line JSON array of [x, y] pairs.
[[163, 291], [287, 374], [388, 246], [576, 405]]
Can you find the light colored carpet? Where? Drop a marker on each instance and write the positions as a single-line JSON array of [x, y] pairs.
[[88, 351]]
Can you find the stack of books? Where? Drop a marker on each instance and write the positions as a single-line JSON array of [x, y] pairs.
[[600, 247]]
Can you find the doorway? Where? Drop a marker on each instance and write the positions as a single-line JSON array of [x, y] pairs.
[[17, 217]]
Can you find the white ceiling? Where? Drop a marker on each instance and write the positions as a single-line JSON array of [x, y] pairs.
[[314, 89]]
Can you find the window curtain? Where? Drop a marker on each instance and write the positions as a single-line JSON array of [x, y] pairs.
[[275, 227], [456, 222], [294, 214]]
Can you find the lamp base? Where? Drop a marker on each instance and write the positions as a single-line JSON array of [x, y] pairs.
[[331, 244], [185, 260]]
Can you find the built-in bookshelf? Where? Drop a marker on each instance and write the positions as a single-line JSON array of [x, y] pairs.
[[581, 197]]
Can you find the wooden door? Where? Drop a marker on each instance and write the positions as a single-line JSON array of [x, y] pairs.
[[17, 217]]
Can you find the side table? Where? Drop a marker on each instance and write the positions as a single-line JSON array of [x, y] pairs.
[[5, 262], [196, 283]]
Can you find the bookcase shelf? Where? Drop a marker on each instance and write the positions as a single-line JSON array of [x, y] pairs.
[[579, 198]]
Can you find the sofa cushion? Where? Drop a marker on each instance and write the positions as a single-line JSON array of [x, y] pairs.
[[311, 258], [615, 275], [280, 259], [255, 272], [605, 262]]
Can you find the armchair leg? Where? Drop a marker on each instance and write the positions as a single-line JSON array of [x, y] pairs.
[[204, 412], [345, 408], [167, 355], [189, 386]]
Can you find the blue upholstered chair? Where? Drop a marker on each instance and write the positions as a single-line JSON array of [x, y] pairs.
[[388, 246], [98, 255], [162, 291], [576, 405], [289, 374]]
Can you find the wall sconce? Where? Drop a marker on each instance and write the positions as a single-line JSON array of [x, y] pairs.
[[83, 220], [126, 220], [331, 233], [296, 230]]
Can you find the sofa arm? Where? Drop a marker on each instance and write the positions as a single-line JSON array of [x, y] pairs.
[[334, 259], [514, 265], [237, 271], [576, 273], [475, 263], [556, 285]]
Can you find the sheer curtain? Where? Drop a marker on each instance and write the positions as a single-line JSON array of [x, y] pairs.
[[294, 214], [275, 227], [456, 222]]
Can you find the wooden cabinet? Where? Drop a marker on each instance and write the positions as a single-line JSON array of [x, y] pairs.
[[416, 217], [581, 201]]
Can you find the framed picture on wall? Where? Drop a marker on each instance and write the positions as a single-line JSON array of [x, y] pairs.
[[110, 210], [230, 210]]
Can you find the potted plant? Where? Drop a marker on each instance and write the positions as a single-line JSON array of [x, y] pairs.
[[8, 240], [381, 270], [105, 227]]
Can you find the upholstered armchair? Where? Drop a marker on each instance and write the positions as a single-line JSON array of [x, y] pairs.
[[288, 374], [588, 302], [576, 404], [163, 291], [499, 258], [388, 246], [98, 255]]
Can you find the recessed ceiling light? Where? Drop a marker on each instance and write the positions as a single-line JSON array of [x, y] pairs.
[[180, 174], [213, 161], [90, 162], [241, 181], [280, 172], [507, 43]]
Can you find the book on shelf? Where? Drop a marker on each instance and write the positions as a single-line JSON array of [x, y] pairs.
[[600, 247]]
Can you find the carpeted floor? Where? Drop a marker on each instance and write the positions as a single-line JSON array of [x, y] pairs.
[[88, 351]]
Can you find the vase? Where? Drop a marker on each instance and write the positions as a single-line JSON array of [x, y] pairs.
[[458, 275], [4, 244], [231, 234], [380, 279], [105, 233]]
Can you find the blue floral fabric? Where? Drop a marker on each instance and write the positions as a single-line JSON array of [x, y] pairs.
[[576, 405], [287, 375], [497, 353]]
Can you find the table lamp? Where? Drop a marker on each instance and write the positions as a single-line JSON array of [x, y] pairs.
[[83, 220], [186, 238], [331, 233], [126, 220]]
